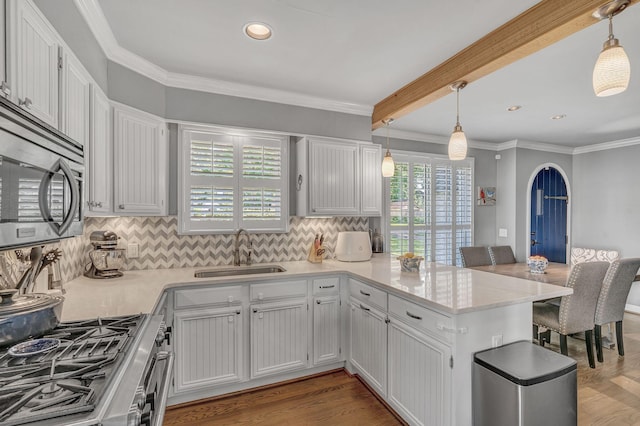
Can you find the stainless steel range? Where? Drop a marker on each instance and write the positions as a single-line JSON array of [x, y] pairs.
[[109, 371]]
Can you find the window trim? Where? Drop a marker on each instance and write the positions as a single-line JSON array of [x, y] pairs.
[[414, 156], [236, 135]]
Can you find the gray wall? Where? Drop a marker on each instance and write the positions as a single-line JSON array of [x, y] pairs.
[[505, 197], [66, 19], [606, 208], [485, 175], [133, 89]]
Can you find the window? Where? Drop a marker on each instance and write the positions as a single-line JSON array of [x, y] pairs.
[[430, 207], [232, 179]]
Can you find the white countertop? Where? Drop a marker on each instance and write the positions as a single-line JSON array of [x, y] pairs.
[[449, 290]]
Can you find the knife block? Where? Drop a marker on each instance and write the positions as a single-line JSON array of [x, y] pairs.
[[315, 255]]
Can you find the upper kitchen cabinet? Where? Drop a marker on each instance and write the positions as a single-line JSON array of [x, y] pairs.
[[338, 178], [76, 93], [100, 155], [140, 162], [4, 86], [33, 61]]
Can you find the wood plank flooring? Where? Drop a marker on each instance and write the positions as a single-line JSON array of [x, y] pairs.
[[607, 395]]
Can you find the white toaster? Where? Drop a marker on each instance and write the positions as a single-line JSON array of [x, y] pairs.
[[353, 246]]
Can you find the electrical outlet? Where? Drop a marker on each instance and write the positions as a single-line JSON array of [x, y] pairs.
[[132, 250], [496, 341]]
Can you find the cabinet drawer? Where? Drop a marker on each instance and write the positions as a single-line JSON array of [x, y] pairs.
[[278, 290], [326, 285], [368, 294], [421, 318], [207, 296]]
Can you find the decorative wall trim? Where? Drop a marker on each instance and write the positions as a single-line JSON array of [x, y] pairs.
[[97, 22], [607, 145], [536, 146]]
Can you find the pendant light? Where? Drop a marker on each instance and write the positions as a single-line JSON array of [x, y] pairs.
[[458, 141], [612, 70], [388, 166]]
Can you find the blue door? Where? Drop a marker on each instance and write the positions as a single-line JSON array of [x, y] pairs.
[[549, 216]]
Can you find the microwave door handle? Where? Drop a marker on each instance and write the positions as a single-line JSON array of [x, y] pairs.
[[45, 210]]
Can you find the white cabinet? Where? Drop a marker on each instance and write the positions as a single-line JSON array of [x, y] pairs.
[[76, 96], [326, 320], [209, 347], [331, 179], [419, 376], [100, 155], [368, 344], [33, 58], [5, 90], [140, 162], [278, 337], [371, 180]]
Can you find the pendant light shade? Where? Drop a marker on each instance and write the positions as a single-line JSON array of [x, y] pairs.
[[458, 140], [388, 166], [612, 71]]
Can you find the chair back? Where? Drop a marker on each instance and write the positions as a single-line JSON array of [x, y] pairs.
[[579, 255], [475, 256], [577, 310], [501, 255], [615, 290]]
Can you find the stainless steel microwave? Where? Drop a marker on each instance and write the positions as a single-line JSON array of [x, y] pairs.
[[41, 181]]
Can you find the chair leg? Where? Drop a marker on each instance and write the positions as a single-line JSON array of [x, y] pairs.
[[543, 337], [598, 337], [619, 338], [535, 332], [563, 344], [588, 338]]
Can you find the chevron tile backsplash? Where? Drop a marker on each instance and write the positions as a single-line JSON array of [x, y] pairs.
[[160, 246]]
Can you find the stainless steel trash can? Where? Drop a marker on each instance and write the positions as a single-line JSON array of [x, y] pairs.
[[524, 384]]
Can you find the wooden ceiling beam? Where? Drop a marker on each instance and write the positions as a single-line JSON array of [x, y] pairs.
[[538, 27]]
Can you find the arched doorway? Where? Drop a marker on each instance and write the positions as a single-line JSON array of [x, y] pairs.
[[548, 223]]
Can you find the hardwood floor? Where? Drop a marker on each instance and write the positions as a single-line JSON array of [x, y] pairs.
[[607, 395], [332, 399]]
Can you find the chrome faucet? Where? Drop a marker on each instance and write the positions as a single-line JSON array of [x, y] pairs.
[[236, 251]]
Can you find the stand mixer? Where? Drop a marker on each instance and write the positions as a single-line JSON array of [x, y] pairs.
[[106, 259]]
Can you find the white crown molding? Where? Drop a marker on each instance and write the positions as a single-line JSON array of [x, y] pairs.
[[94, 17], [607, 145], [536, 146], [424, 137]]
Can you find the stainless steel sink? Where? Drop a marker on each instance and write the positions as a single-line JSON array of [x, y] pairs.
[[239, 270]]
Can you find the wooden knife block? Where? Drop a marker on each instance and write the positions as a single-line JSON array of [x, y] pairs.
[[315, 255]]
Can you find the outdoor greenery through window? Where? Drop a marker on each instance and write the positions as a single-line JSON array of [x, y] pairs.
[[231, 180], [430, 207]]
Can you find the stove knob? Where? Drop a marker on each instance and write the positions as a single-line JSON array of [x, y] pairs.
[[140, 398], [134, 417]]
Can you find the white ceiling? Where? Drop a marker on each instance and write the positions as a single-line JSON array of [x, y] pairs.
[[357, 52]]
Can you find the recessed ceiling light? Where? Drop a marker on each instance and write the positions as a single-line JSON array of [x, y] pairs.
[[258, 30], [558, 117], [514, 108]]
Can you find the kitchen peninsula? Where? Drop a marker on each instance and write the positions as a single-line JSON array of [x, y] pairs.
[[444, 314]]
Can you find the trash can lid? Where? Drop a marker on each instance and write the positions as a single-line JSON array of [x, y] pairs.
[[525, 363]]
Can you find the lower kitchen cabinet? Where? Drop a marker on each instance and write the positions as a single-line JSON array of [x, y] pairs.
[[368, 348], [278, 337], [419, 376], [326, 329], [209, 347]]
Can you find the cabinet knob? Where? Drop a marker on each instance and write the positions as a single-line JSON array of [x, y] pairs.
[[121, 206], [26, 102], [99, 203]]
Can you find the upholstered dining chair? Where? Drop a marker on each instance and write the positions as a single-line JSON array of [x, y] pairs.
[[612, 300], [501, 255], [475, 256], [579, 255], [576, 312]]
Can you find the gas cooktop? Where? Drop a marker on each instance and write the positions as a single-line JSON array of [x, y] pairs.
[[64, 373]]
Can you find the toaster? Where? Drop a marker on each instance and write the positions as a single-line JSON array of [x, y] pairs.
[[353, 246]]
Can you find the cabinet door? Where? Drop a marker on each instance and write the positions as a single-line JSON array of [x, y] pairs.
[[100, 155], [278, 337], [368, 351], [326, 329], [34, 62], [208, 348], [76, 95], [4, 86], [333, 178], [140, 157], [419, 376], [371, 180]]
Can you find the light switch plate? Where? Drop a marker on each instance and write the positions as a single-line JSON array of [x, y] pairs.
[[132, 250], [502, 232]]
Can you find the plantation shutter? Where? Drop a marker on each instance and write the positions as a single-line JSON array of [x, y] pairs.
[[232, 181]]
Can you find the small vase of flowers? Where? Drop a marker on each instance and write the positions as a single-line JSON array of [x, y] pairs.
[[537, 264]]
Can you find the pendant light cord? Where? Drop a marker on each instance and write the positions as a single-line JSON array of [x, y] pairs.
[[458, 106]]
